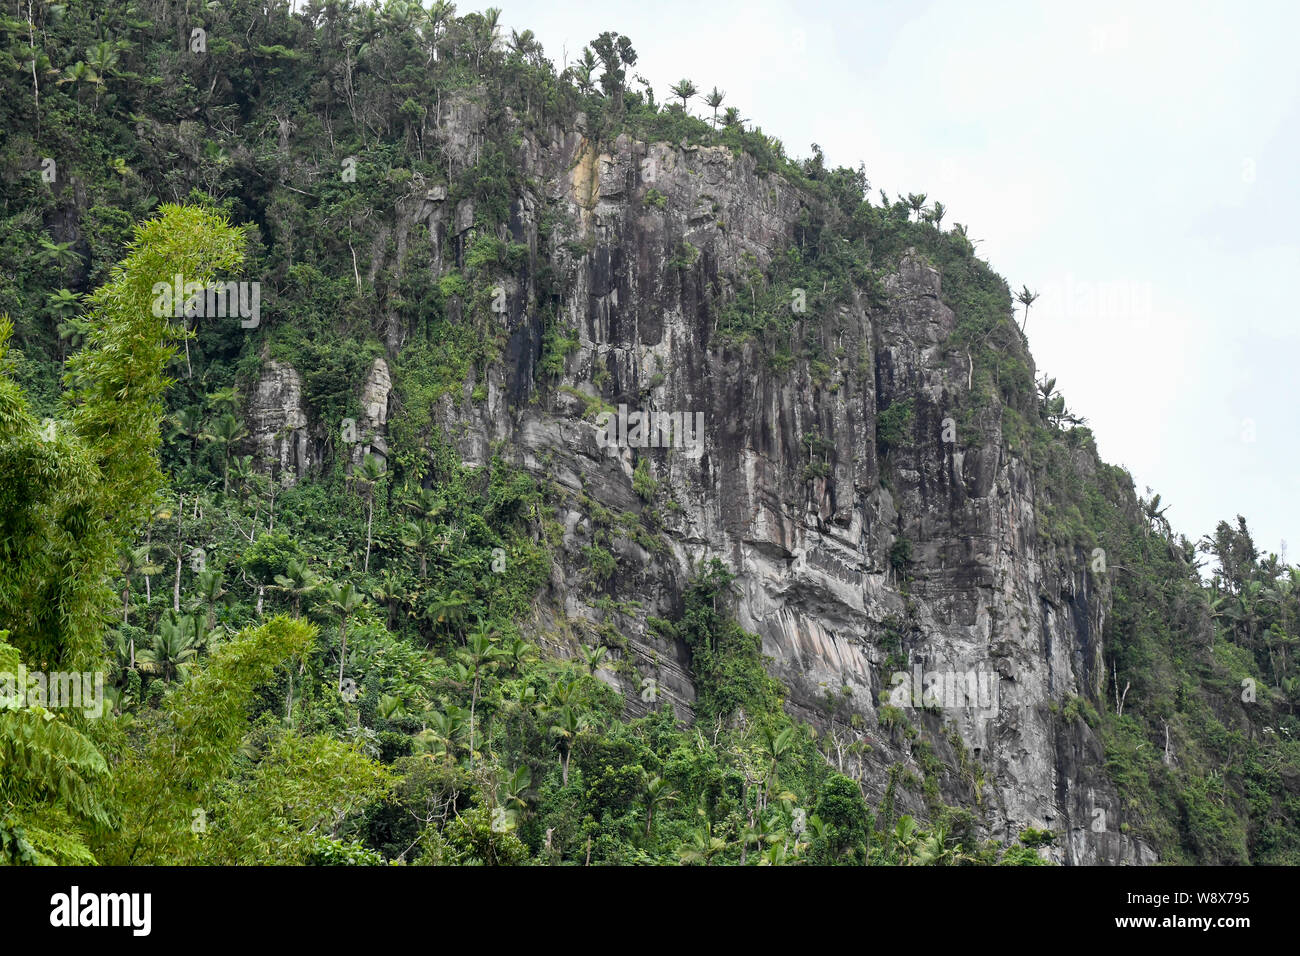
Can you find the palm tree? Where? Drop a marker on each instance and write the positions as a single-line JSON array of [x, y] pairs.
[[300, 582], [130, 562], [1155, 514], [1025, 298], [593, 657], [657, 794], [389, 593], [210, 591], [480, 655], [485, 34], [244, 474], [582, 72], [703, 846], [906, 836], [79, 72], [937, 212], [444, 730], [685, 89], [226, 432], [1045, 389], [368, 476], [516, 787], [714, 99], [60, 255], [518, 652], [102, 59], [223, 400], [173, 649], [448, 609], [186, 424], [731, 117], [568, 724], [917, 202], [420, 536], [774, 746], [934, 849], [343, 600]]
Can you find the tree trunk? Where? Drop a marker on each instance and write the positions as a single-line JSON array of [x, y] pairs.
[[370, 517], [343, 650], [176, 587]]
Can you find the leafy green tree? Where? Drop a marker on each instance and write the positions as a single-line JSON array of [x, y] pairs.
[[186, 756], [70, 494], [52, 788]]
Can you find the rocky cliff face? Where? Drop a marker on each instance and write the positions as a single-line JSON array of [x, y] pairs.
[[818, 550]]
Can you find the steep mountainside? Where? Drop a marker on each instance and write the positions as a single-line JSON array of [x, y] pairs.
[[471, 271]]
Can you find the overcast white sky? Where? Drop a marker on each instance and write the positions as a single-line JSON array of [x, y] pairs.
[[1136, 165]]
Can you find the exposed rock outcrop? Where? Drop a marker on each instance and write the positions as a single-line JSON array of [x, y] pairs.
[[277, 423]]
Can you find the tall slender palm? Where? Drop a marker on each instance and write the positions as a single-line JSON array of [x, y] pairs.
[[583, 71], [917, 202], [568, 724], [774, 746], [390, 594], [187, 424], [937, 212], [130, 562], [714, 99], [1025, 298], [480, 655], [368, 476], [684, 89], [343, 600]]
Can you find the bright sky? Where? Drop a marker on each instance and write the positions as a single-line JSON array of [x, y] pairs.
[[1136, 166]]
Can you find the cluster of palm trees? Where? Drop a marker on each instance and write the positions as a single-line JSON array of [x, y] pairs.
[[932, 214], [222, 431], [1051, 406], [686, 90]]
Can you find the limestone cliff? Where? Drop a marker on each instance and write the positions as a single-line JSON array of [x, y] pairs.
[[856, 558]]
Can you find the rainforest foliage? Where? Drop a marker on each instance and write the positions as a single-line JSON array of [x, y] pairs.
[[347, 671]]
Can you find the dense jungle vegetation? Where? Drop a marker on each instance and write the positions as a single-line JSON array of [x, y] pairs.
[[344, 672]]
